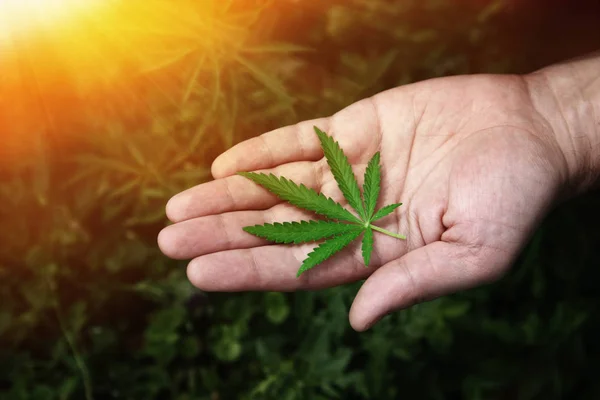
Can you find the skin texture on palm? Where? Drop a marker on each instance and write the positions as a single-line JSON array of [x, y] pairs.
[[471, 158]]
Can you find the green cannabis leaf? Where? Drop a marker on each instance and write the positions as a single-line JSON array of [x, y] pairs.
[[343, 227], [342, 171]]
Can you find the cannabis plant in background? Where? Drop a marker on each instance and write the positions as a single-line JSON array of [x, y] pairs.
[[338, 234]]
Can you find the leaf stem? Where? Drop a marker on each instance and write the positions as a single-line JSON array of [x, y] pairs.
[[385, 231]]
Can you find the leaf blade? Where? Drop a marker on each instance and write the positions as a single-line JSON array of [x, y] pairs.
[[384, 211], [367, 246], [326, 250], [372, 185], [342, 171], [301, 196], [300, 231]]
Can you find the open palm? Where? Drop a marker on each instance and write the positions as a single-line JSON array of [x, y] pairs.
[[473, 162]]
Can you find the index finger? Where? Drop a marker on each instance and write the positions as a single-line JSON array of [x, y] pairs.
[[284, 145]]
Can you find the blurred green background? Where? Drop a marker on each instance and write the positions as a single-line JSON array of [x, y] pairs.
[[101, 125]]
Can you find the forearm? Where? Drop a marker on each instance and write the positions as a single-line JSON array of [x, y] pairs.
[[568, 97]]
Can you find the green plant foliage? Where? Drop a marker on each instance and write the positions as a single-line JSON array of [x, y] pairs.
[[301, 231], [367, 246], [301, 196], [90, 308], [342, 171], [327, 249], [338, 235], [385, 211], [372, 186]]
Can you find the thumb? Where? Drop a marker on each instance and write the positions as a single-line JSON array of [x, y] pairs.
[[428, 272]]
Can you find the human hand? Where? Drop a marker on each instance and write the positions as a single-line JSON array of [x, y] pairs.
[[475, 163]]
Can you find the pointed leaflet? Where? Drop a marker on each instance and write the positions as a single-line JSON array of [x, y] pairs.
[[342, 171], [301, 196], [371, 186], [367, 246], [327, 249], [383, 211], [300, 232]]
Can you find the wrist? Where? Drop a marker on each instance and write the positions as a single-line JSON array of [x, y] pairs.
[[567, 95]]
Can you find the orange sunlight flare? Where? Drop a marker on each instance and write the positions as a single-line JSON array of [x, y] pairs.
[[65, 64], [20, 16], [34, 35]]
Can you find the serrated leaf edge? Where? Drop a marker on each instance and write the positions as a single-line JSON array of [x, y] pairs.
[[384, 211], [343, 214], [346, 181], [367, 245], [372, 185], [342, 242], [288, 228]]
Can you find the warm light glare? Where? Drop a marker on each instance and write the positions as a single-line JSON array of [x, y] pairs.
[[21, 16], [61, 60]]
